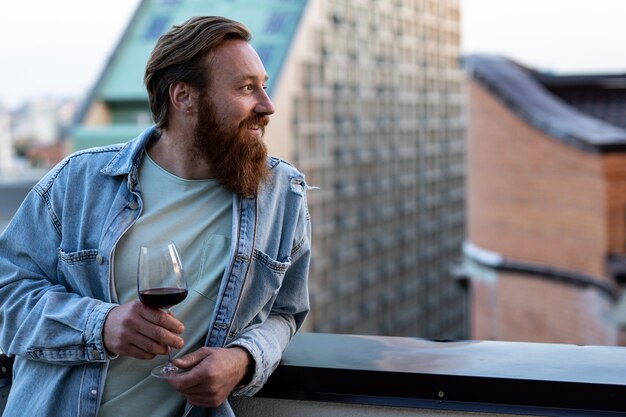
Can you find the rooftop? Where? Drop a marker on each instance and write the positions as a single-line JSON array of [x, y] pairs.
[[534, 97], [602, 96]]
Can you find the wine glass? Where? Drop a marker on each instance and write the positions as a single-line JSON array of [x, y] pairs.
[[161, 284]]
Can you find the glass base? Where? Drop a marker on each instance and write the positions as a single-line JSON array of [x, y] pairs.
[[167, 370]]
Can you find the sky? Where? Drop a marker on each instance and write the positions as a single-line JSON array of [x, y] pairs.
[[562, 36], [59, 48]]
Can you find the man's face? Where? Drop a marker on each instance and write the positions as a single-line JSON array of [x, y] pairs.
[[237, 85], [232, 115]]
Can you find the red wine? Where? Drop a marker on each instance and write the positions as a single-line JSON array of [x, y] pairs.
[[162, 297]]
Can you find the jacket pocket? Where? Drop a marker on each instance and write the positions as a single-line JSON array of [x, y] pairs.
[[260, 290], [79, 272], [74, 258], [273, 266]]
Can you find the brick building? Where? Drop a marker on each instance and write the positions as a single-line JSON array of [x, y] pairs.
[[546, 204]]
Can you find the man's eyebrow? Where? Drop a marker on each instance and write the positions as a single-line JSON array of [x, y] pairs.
[[242, 78]]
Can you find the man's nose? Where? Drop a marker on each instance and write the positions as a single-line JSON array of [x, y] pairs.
[[264, 105]]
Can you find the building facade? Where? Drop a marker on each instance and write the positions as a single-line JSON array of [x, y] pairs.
[[377, 123], [370, 106], [546, 206]]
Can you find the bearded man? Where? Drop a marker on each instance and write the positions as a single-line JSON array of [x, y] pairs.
[[201, 177]]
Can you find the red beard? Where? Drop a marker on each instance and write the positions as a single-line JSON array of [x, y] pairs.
[[238, 159]]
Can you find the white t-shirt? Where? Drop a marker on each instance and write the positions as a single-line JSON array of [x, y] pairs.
[[197, 216]]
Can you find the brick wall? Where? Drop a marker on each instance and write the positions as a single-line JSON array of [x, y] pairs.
[[519, 308], [532, 198], [615, 179]]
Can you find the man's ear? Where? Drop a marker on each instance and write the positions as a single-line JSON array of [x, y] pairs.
[[183, 97]]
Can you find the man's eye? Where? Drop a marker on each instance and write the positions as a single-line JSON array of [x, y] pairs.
[[247, 87]]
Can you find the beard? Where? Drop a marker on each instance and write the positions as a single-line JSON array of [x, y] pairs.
[[238, 159]]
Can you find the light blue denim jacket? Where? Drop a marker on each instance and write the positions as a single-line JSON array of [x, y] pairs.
[[56, 278]]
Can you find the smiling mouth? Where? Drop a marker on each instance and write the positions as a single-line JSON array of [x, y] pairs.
[[256, 124]]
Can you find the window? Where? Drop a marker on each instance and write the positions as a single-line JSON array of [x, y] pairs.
[[276, 22], [156, 27]]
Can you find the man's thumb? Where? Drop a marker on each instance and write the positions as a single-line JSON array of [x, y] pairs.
[[192, 359]]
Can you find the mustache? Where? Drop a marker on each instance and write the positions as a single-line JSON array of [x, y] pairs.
[[260, 120]]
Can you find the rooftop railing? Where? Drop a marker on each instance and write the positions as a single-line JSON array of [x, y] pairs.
[[343, 375]]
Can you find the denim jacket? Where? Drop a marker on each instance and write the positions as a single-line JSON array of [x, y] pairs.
[[56, 278]]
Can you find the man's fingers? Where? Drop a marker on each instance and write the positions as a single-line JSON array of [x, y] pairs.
[[192, 359], [139, 353], [133, 329], [162, 337], [162, 319], [136, 344]]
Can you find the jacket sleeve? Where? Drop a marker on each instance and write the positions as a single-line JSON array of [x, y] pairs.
[[267, 342], [41, 317]]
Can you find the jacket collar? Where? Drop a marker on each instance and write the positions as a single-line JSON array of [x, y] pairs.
[[130, 154]]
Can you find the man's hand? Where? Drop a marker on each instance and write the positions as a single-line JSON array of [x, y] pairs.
[[133, 329], [214, 373]]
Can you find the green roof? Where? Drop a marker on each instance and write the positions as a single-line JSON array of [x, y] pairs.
[[90, 136], [272, 23]]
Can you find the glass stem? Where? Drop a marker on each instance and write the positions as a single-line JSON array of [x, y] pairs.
[[169, 364]]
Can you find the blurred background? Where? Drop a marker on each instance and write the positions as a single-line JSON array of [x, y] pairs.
[[470, 154]]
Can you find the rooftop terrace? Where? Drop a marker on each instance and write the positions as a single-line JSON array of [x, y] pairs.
[[353, 375]]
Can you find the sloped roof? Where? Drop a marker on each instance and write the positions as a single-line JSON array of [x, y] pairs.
[[271, 22], [520, 89], [602, 96]]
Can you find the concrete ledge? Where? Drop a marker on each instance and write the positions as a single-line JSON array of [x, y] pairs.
[[269, 407], [455, 376]]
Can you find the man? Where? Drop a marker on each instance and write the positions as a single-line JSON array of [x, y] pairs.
[[201, 177]]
